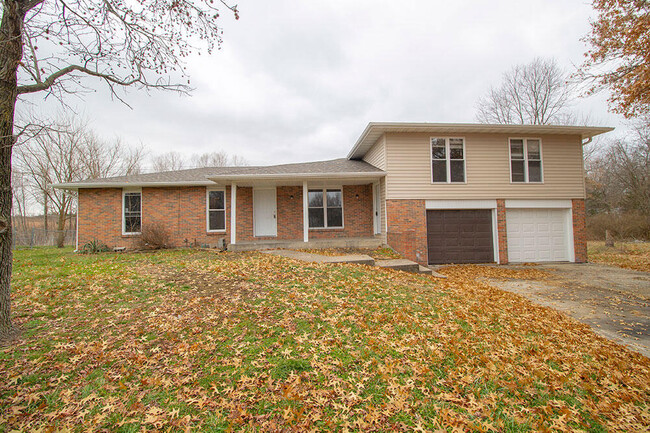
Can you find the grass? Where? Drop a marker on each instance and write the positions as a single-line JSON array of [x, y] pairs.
[[220, 341], [629, 255]]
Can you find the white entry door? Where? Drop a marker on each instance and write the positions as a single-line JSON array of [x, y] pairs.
[[538, 235], [265, 212]]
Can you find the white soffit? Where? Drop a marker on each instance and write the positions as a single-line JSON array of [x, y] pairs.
[[538, 204], [460, 204]]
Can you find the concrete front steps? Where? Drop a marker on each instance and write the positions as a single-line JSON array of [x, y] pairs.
[[361, 259]]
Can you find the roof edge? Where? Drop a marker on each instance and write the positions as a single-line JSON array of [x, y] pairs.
[[378, 173], [88, 185], [583, 131]]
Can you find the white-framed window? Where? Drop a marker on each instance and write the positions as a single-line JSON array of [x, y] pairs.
[[447, 160], [325, 208], [526, 160], [216, 210], [131, 212]]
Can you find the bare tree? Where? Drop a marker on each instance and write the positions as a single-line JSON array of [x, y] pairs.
[[217, 159], [51, 157], [103, 159], [537, 93], [19, 186], [55, 46], [168, 161]]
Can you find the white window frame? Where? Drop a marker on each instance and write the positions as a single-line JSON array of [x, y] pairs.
[[124, 193], [541, 160], [448, 160], [207, 210], [324, 192]]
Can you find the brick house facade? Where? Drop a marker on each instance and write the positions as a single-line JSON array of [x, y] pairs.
[[498, 207]]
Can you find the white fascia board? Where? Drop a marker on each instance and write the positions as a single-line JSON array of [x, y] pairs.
[[298, 176], [538, 204], [81, 185], [460, 204]]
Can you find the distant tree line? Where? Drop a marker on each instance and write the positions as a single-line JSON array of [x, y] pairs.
[[67, 150]]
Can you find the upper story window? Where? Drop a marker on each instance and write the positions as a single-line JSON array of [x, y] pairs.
[[325, 208], [525, 160], [216, 210], [448, 160], [132, 212]]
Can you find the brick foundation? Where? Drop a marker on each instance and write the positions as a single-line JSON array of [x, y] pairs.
[[579, 230], [407, 228], [502, 232]]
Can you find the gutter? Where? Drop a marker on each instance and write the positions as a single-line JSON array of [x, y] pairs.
[[78, 185]]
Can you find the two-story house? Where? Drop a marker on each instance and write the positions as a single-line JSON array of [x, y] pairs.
[[436, 193]]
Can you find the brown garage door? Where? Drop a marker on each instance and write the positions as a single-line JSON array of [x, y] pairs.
[[460, 236]]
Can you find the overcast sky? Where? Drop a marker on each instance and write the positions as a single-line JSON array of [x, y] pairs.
[[299, 80]]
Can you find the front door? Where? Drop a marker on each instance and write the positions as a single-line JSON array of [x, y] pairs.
[[264, 212]]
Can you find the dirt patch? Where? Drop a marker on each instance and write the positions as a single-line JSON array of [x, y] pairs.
[[204, 283]]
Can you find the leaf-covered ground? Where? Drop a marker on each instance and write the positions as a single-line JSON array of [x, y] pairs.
[[213, 342], [629, 255], [381, 253]]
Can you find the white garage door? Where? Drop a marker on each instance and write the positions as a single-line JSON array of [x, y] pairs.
[[538, 235]]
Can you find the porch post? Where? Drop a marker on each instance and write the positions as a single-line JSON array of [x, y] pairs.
[[305, 211], [233, 213]]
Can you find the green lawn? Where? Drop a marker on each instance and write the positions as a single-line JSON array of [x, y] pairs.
[[221, 341]]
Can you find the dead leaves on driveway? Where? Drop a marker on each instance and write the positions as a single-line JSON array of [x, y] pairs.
[[180, 339]]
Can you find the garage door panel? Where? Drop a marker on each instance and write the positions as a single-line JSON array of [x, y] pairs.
[[460, 236], [537, 235]]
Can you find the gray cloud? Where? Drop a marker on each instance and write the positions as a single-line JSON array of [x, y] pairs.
[[300, 80]]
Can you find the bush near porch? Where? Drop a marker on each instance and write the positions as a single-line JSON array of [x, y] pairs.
[[177, 339]]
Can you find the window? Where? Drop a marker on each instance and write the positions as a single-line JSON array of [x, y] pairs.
[[525, 160], [447, 160], [132, 215], [325, 208], [216, 210]]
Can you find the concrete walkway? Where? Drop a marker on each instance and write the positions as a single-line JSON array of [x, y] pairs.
[[359, 259]]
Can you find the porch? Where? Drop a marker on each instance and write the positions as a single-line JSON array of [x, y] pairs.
[[269, 244], [337, 210]]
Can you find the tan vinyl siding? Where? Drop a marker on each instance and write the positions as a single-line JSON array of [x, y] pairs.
[[408, 157], [377, 154]]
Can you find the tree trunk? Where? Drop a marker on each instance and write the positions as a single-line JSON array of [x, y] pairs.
[[45, 212], [11, 52], [60, 236]]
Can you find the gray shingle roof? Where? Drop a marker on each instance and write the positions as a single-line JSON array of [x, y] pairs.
[[201, 176]]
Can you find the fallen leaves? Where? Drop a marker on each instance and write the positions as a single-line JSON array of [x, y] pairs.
[[182, 339]]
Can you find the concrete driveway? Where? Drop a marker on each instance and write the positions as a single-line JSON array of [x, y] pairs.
[[615, 302]]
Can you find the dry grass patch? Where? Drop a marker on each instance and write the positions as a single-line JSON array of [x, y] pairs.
[[628, 255]]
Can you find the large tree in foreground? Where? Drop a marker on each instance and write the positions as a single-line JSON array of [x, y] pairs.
[[63, 46], [619, 54], [536, 93]]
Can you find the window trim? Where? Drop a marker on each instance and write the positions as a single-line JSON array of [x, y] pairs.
[[448, 160], [324, 192], [131, 191], [541, 160], [207, 210]]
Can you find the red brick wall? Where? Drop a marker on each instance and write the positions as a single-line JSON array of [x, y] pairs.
[[579, 230], [407, 228], [357, 215], [502, 232], [183, 211]]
